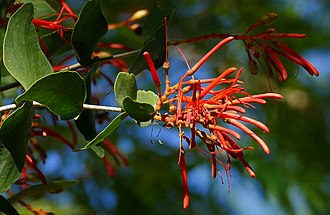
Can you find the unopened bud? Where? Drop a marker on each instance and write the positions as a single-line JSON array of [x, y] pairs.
[[268, 19], [270, 31], [137, 28], [253, 67], [256, 54], [139, 14]]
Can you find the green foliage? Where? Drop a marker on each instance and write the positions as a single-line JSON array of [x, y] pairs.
[[89, 29], [8, 169], [13, 146], [139, 111], [299, 137], [55, 43], [3, 69], [153, 39], [22, 54], [148, 97], [6, 207], [62, 92], [52, 187], [106, 132], [125, 85], [41, 8], [86, 120]]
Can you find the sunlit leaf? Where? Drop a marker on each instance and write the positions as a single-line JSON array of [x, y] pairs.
[[139, 111], [41, 8], [89, 29], [8, 169], [107, 131], [52, 187], [98, 150], [125, 85], [147, 97], [62, 92], [22, 54], [154, 39], [14, 134]]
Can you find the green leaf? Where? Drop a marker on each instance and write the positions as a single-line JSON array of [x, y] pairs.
[[89, 29], [14, 134], [52, 187], [99, 151], [125, 85], [62, 92], [154, 39], [41, 8], [55, 43], [107, 131], [6, 207], [3, 69], [148, 97], [22, 54], [86, 120], [141, 112], [155, 21], [8, 169]]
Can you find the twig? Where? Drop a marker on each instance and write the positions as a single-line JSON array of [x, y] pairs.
[[9, 86], [77, 66], [85, 107], [104, 59]]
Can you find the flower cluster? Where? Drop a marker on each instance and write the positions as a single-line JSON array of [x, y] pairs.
[[207, 107], [205, 110]]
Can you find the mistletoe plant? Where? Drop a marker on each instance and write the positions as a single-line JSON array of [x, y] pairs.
[[35, 36]]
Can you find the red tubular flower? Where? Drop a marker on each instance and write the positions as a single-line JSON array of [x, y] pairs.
[[276, 64], [109, 167], [183, 169], [153, 71], [66, 7], [216, 82], [287, 52], [31, 163]]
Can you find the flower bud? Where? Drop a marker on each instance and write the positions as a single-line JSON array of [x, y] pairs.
[[268, 19], [139, 14], [253, 67]]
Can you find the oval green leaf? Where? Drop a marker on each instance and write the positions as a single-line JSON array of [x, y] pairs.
[[22, 54], [9, 172], [148, 97], [41, 8], [39, 189], [106, 132], [62, 92], [153, 39], [13, 146], [89, 29], [141, 112], [56, 44], [125, 85], [86, 120]]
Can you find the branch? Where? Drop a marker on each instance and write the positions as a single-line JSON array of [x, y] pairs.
[[103, 59], [85, 107], [9, 86]]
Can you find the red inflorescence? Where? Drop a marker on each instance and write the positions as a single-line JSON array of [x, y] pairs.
[[213, 109]]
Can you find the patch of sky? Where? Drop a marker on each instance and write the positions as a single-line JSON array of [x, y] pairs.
[[246, 197]]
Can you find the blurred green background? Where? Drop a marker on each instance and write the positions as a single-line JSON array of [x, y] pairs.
[[293, 179]]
